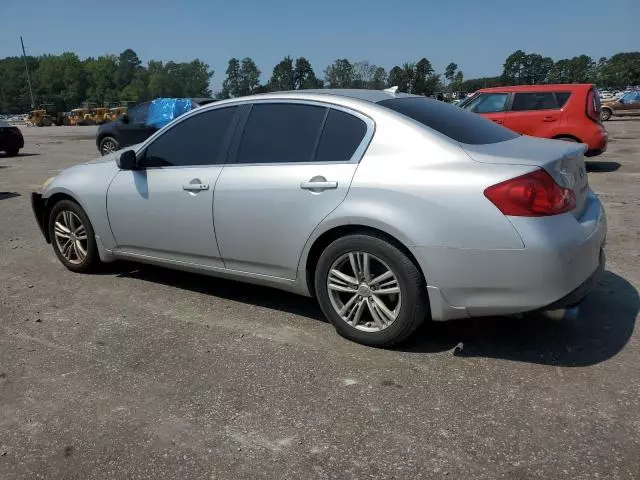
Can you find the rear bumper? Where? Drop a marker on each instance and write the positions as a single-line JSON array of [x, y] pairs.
[[560, 264], [598, 143], [38, 207], [576, 296]]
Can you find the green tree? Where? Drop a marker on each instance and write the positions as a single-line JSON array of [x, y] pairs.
[[339, 74], [424, 81], [61, 76], [249, 79], [304, 76], [231, 84], [450, 71], [101, 72], [379, 80], [14, 91], [364, 75], [283, 76], [398, 79], [128, 64], [513, 68]]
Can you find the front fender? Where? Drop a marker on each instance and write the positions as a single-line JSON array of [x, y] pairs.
[[87, 185]]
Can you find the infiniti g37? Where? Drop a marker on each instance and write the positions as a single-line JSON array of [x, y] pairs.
[[388, 208]]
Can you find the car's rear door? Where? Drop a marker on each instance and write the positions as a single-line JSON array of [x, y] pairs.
[[164, 209], [491, 105], [291, 165], [536, 114]]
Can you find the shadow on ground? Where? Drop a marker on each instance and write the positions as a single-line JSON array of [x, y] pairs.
[[4, 155], [601, 167], [603, 328], [7, 195]]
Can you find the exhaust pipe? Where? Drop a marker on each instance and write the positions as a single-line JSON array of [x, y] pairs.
[[562, 314]]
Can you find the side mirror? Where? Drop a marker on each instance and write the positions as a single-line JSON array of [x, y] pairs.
[[124, 118], [127, 160]]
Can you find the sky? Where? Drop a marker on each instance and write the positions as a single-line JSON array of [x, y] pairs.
[[476, 34]]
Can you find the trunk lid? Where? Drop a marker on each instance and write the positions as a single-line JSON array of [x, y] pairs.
[[564, 161]]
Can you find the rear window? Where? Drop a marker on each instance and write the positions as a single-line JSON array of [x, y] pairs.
[[454, 122]]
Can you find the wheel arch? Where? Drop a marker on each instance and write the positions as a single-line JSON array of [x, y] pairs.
[[560, 136], [324, 239], [48, 206]]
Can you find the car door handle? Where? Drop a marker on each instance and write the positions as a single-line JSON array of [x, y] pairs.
[[549, 119], [499, 121], [191, 187], [318, 185]]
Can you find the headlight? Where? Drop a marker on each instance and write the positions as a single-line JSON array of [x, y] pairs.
[[47, 182]]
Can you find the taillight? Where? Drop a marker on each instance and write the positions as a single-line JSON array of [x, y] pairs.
[[535, 194], [593, 105]]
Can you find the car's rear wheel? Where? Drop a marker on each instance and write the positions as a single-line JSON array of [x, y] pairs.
[[72, 237], [370, 290], [108, 145], [605, 114], [12, 152]]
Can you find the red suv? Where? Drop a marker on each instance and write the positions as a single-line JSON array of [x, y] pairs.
[[567, 112]]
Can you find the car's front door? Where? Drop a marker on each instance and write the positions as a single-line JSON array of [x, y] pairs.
[[164, 208], [136, 129], [292, 166], [490, 105]]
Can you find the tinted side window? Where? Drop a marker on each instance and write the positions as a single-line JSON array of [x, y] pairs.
[[488, 103], [138, 114], [454, 122], [281, 133], [194, 141], [341, 136], [534, 101], [562, 98]]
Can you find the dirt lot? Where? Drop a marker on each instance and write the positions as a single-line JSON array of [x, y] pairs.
[[146, 373]]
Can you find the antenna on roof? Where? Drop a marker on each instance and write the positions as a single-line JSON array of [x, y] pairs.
[[393, 89]]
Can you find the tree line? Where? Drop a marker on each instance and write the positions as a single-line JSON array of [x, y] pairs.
[[67, 81]]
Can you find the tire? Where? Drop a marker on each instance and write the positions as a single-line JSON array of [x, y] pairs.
[[13, 152], [68, 213], [410, 305], [605, 114], [104, 145]]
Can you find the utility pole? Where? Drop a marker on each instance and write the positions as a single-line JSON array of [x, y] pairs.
[[26, 67]]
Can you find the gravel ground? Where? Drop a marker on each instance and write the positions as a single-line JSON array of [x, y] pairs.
[[141, 372]]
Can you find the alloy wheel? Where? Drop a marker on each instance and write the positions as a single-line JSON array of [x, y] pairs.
[[71, 237], [364, 291], [109, 146]]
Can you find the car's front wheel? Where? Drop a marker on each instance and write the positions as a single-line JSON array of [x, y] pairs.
[[72, 237], [370, 290], [108, 145], [605, 114]]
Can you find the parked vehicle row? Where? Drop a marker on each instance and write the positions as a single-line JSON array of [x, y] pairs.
[[388, 208]]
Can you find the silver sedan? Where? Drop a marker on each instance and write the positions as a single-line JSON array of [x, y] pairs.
[[388, 208]]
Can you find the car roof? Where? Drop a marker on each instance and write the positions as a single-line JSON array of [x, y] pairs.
[[539, 88], [336, 94]]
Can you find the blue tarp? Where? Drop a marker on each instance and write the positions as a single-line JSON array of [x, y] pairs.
[[163, 110]]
